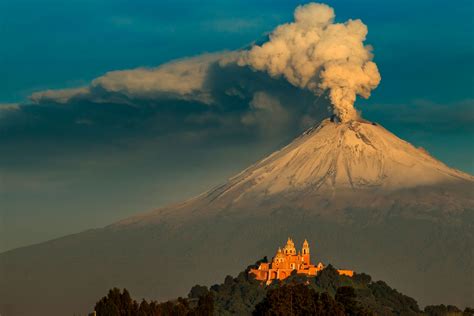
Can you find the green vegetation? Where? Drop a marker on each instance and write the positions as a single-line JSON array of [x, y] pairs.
[[297, 300], [118, 303], [328, 293], [239, 296], [300, 299], [450, 310]]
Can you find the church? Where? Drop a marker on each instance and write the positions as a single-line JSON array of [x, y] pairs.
[[288, 260]]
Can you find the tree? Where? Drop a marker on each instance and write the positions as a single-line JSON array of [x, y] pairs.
[[297, 300], [205, 306], [197, 291], [327, 306], [443, 310], [347, 297], [117, 303], [144, 309], [362, 278]]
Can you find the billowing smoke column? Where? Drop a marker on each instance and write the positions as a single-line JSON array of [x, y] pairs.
[[315, 53]]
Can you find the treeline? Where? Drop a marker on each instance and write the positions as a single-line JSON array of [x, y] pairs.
[[449, 310], [296, 299], [118, 303], [299, 299], [328, 293]]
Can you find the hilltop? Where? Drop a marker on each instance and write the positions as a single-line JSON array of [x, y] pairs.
[[244, 295]]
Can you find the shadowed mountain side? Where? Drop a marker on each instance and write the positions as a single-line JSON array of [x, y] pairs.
[[442, 204], [161, 260]]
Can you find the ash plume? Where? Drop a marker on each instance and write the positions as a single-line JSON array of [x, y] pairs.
[[312, 53], [315, 53]]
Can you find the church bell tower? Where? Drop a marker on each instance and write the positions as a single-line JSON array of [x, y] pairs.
[[305, 252]]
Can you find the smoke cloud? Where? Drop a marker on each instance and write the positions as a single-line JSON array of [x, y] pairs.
[[181, 79], [312, 53], [315, 53]]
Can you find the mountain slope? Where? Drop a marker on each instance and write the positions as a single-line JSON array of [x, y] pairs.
[[341, 164], [365, 200], [354, 155]]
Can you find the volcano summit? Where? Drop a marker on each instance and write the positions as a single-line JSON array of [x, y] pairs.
[[354, 155], [373, 201]]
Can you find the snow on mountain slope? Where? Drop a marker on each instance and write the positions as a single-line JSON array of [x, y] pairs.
[[331, 167], [344, 155]]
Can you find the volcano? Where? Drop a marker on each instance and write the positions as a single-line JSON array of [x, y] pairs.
[[363, 198]]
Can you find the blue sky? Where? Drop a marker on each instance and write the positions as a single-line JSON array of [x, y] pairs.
[[66, 168]]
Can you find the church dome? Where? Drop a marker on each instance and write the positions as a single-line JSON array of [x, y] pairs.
[[290, 247]]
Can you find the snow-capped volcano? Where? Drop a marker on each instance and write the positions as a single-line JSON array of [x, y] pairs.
[[344, 155], [363, 198], [331, 168]]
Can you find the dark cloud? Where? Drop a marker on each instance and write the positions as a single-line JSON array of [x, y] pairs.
[[205, 98]]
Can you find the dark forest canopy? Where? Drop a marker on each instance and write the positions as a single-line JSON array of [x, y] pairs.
[[328, 293]]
